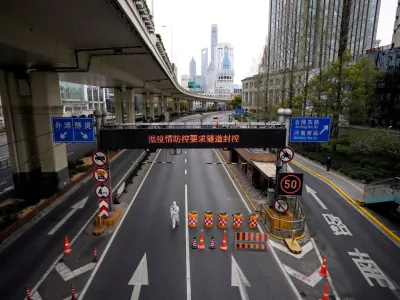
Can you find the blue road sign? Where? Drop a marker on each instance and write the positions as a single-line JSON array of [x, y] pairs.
[[73, 130], [310, 130], [239, 111]]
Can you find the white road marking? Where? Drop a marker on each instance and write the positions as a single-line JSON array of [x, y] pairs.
[[336, 225], [70, 153], [116, 231], [67, 274], [314, 195], [185, 160], [290, 282], [5, 156], [185, 151], [69, 297], [36, 296], [304, 249], [6, 189], [329, 277], [188, 280], [185, 172], [311, 280], [3, 183], [140, 277], [239, 279], [43, 278]]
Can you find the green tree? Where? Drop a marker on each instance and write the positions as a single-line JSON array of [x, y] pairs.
[[236, 102]]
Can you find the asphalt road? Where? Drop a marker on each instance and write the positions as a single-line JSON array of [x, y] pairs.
[[349, 281], [27, 259], [147, 230]]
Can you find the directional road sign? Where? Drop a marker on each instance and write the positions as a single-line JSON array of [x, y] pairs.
[[286, 154], [101, 175], [239, 111], [310, 130], [99, 158], [102, 191], [290, 184], [73, 130], [281, 205]]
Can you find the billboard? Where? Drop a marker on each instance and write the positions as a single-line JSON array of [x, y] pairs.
[[71, 91]]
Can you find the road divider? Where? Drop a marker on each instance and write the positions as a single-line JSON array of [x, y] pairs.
[[251, 240]]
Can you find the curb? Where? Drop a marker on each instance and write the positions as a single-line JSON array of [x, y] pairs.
[[46, 210], [352, 201]]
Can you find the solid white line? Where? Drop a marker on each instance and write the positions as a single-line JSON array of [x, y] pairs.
[[185, 151], [43, 278], [70, 153], [290, 282], [329, 277], [116, 231], [61, 223], [3, 183], [188, 283], [185, 172]]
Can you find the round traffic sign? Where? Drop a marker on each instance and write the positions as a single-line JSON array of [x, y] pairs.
[[102, 191], [290, 184], [99, 158], [286, 154], [281, 205], [101, 174]]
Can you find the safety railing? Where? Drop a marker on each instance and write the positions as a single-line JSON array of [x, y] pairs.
[[383, 187], [283, 225]]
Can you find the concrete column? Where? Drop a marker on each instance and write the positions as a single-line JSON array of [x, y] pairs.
[[144, 107], [174, 105], [130, 105], [159, 106], [18, 117], [178, 106], [150, 101], [118, 105], [191, 105], [204, 105], [164, 105], [46, 104]]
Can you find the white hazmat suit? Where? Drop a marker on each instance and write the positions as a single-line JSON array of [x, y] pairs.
[[174, 214]]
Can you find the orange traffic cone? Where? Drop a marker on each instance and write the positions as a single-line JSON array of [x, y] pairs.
[[201, 242], [194, 243], [325, 296], [67, 247], [323, 271], [224, 246]]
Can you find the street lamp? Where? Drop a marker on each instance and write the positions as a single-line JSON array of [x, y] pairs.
[[170, 30]]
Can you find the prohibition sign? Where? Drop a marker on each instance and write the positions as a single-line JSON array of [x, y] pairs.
[[101, 175], [99, 158], [286, 154], [291, 184], [281, 205], [102, 191]]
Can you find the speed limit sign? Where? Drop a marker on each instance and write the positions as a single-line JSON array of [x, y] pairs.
[[290, 184]]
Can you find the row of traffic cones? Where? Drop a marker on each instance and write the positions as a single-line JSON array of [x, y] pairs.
[[68, 249], [323, 272], [202, 246]]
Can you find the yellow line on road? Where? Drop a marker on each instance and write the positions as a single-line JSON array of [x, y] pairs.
[[352, 201]]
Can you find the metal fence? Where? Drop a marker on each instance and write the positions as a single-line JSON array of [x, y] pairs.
[[381, 188], [283, 225]]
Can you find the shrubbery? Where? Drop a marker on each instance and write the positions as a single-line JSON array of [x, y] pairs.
[[368, 157]]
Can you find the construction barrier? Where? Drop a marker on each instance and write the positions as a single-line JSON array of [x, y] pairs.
[[208, 219], [193, 219], [253, 218], [251, 240], [237, 220], [223, 220]]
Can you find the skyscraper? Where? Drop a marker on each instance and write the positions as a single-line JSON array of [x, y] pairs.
[[224, 73], [192, 69], [214, 41], [204, 61]]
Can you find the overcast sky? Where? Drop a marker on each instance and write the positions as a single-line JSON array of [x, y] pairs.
[[244, 24]]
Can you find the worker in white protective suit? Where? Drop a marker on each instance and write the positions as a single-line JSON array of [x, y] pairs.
[[174, 214]]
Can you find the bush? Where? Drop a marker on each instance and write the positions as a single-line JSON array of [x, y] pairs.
[[368, 161], [82, 169], [397, 167], [357, 158], [383, 165]]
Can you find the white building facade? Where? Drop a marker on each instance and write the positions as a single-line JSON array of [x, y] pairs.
[[185, 81]]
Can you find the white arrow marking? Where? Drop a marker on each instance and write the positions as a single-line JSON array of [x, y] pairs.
[[62, 135], [140, 277], [314, 194], [311, 280], [36, 296], [75, 207], [239, 279], [304, 250], [324, 129], [84, 135], [67, 274], [6, 189]]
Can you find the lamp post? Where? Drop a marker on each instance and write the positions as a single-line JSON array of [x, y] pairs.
[[170, 30]]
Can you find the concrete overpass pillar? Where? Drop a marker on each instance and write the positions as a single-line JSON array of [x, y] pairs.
[[144, 107], [204, 105], [178, 106], [216, 105], [118, 105], [130, 105], [150, 100], [159, 106], [46, 104], [191, 105], [164, 105], [18, 117]]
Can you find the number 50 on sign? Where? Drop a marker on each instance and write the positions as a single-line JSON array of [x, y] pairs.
[[290, 184]]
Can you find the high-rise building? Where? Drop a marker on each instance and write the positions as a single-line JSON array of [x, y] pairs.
[[175, 69], [396, 29], [224, 68], [204, 61], [192, 69], [214, 41], [185, 81]]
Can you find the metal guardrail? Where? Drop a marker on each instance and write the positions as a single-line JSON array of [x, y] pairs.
[[383, 187], [279, 226]]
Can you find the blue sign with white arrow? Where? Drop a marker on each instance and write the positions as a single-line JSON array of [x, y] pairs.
[[310, 130], [73, 130]]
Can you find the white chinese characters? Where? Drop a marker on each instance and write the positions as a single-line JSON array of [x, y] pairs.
[[370, 270], [336, 225]]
